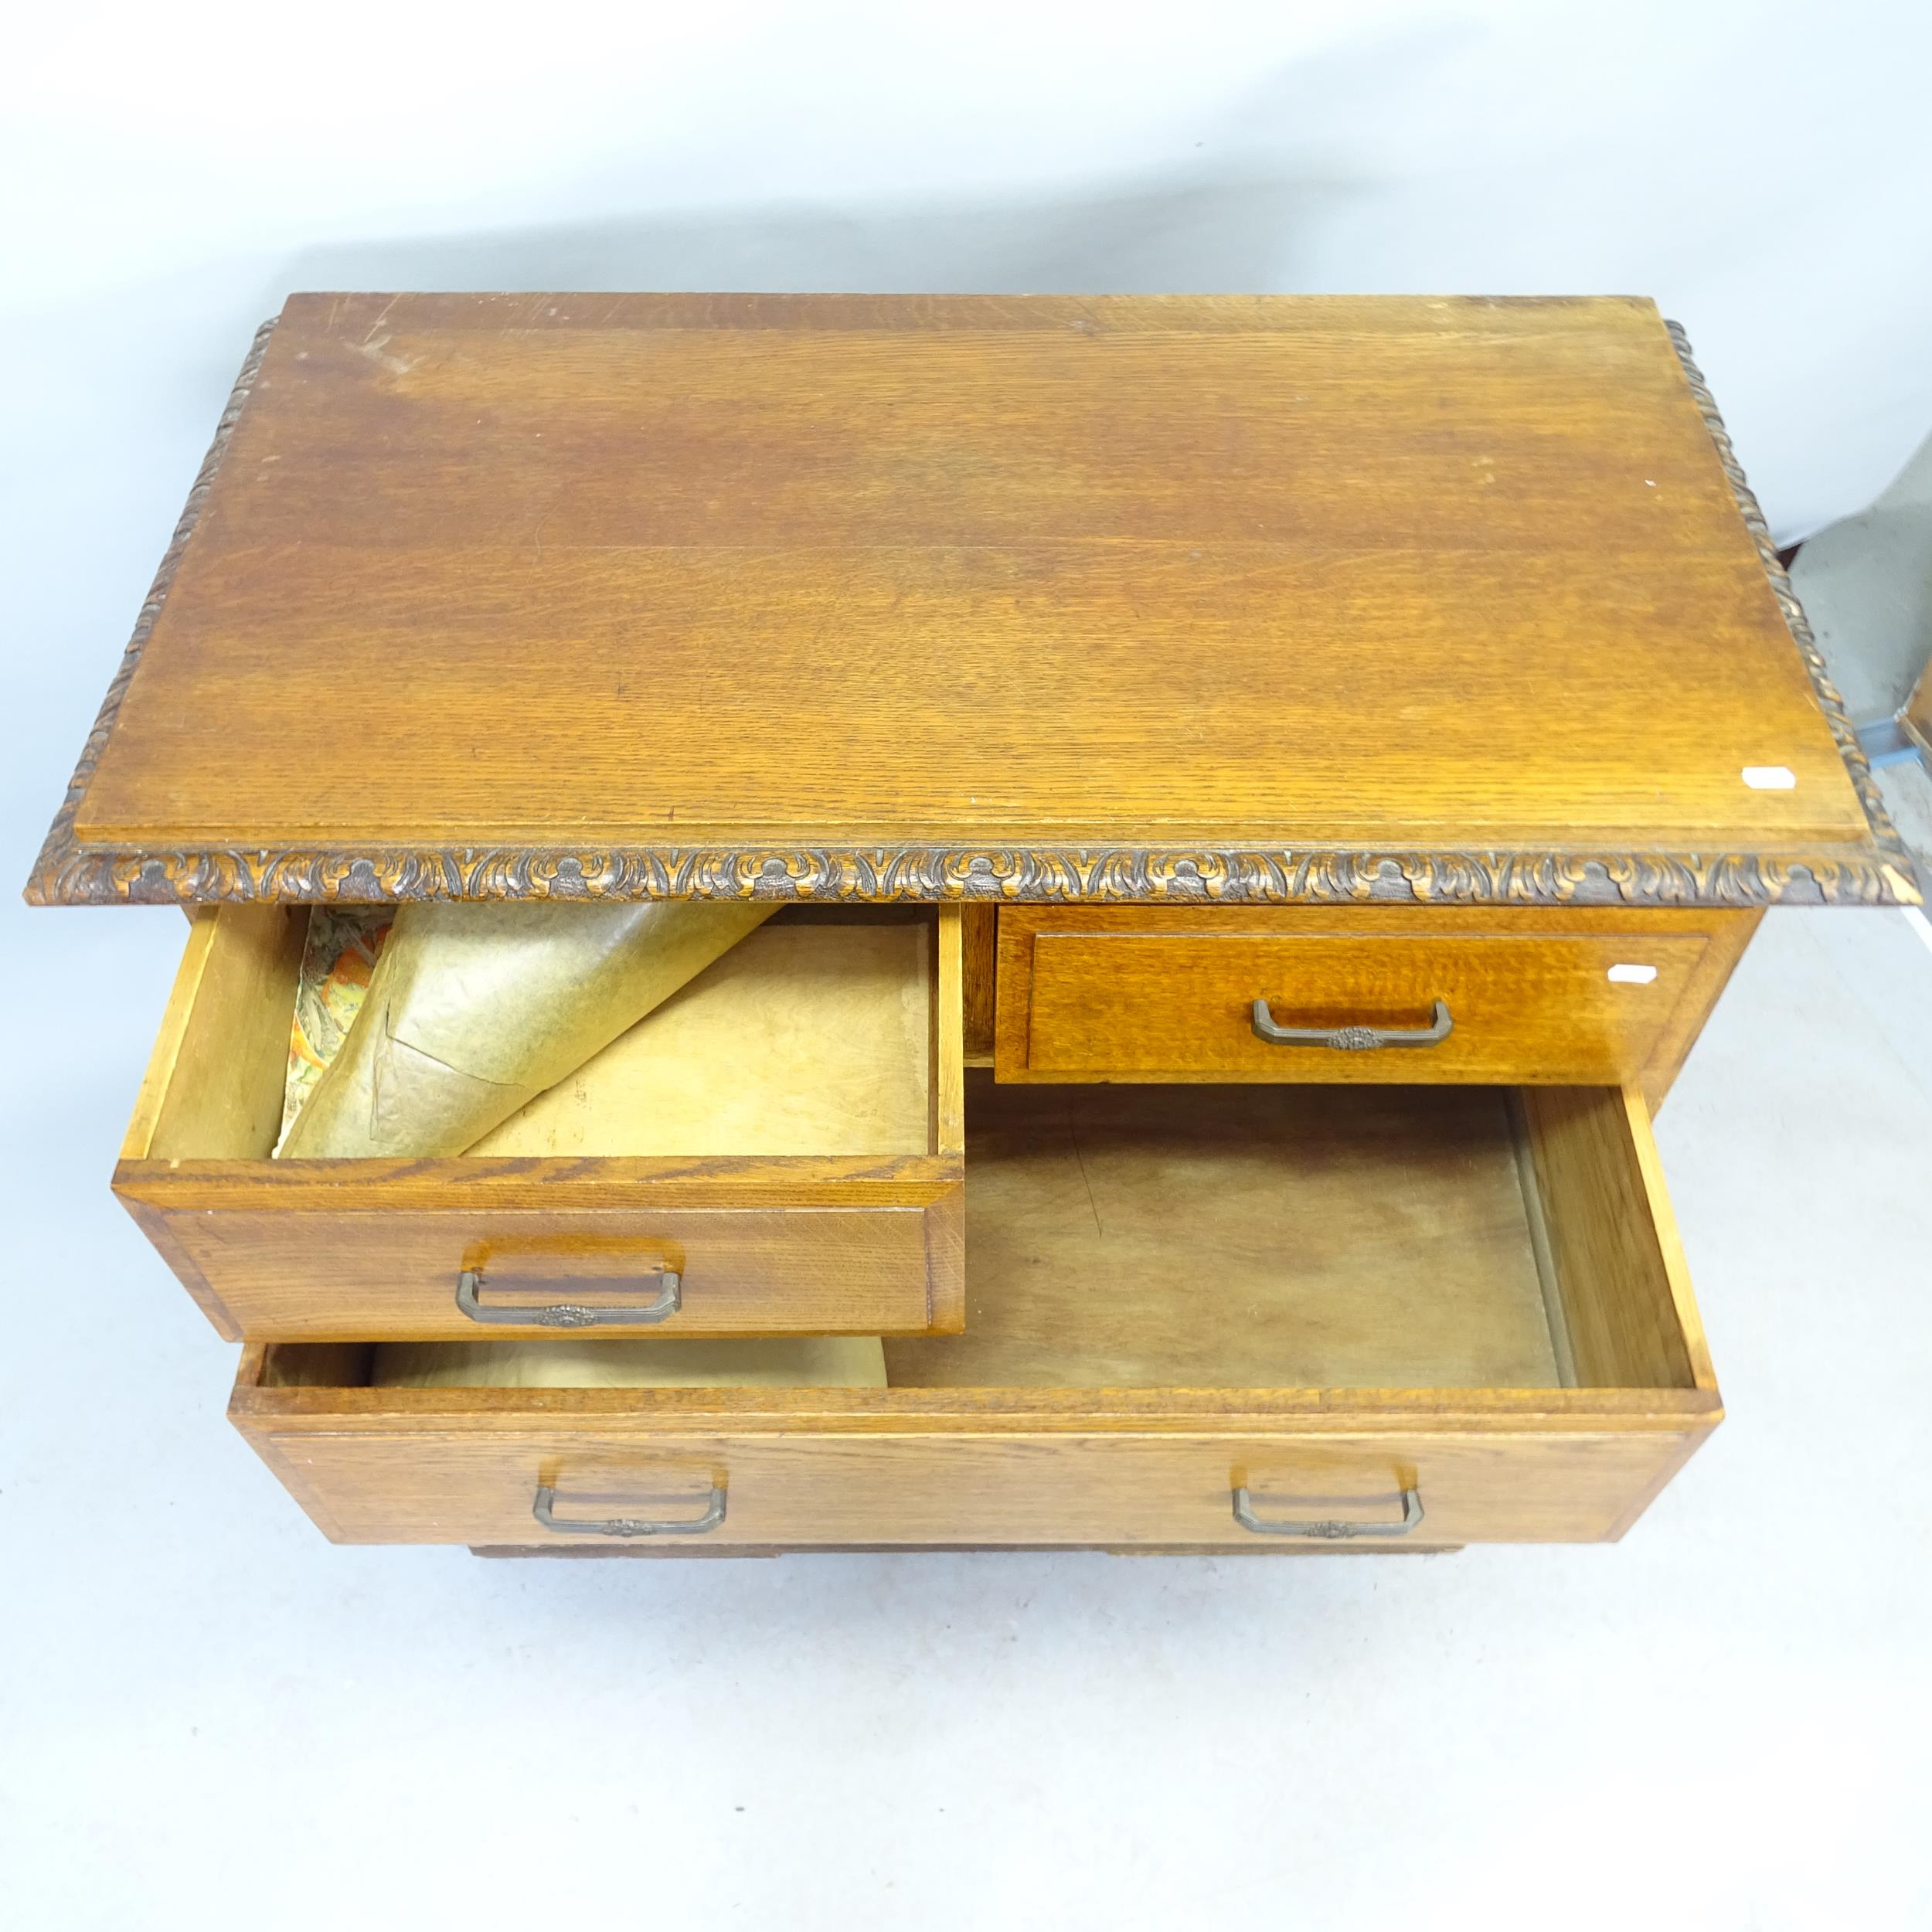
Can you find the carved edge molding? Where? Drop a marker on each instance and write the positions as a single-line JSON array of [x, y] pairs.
[[1857, 767], [66, 874], [925, 873]]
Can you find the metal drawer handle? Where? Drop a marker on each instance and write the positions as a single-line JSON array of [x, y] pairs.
[[568, 1315], [1334, 1532], [1354, 1039], [628, 1525]]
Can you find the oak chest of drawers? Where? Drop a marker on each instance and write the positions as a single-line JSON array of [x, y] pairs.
[[1311, 764]]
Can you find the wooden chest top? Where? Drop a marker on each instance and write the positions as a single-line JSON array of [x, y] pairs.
[[1125, 597]]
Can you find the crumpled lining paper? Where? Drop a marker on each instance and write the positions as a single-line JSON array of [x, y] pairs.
[[340, 954], [474, 1009]]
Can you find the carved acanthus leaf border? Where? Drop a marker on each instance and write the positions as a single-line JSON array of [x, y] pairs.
[[1893, 852], [67, 875], [929, 873]]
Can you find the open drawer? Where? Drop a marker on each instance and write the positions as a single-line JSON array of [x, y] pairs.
[[782, 1154], [1234, 1318]]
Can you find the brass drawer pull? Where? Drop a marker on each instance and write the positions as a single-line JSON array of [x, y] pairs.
[[628, 1525], [568, 1315], [1331, 1531], [1354, 1039]]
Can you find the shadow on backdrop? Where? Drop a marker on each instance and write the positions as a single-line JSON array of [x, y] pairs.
[[1188, 237], [1287, 155]]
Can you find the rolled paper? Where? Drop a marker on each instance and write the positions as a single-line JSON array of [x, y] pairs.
[[475, 1009]]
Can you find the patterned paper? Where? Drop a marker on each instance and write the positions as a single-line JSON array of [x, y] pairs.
[[343, 943]]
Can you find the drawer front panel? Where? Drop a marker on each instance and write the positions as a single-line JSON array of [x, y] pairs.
[[1111, 1490], [383, 1276], [1148, 996]]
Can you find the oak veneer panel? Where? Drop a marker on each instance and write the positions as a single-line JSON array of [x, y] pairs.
[[1163, 993], [768, 1240], [658, 574], [979, 943], [399, 1483], [391, 1273]]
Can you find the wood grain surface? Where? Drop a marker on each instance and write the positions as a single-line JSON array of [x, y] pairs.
[[1154, 993], [400, 1483], [1242, 1237], [979, 942], [1617, 1266], [706, 576]]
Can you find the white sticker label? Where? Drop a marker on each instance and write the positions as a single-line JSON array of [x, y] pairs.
[[1770, 777], [1633, 976]]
